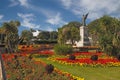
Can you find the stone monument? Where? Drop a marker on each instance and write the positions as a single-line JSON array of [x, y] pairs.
[[84, 40]]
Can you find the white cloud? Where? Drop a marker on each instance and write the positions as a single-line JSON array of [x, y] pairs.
[[96, 8], [23, 3], [13, 3], [1, 17], [55, 19], [28, 20], [67, 3]]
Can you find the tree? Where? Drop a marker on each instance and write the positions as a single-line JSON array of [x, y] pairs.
[[27, 36], [53, 35], [44, 35], [93, 30], [106, 31], [2, 36], [10, 30], [69, 32], [32, 30]]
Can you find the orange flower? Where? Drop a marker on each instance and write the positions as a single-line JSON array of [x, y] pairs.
[[8, 76]]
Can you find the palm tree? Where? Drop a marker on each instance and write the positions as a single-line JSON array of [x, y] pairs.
[[11, 38]]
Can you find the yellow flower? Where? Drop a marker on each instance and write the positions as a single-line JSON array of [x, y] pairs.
[[81, 64], [78, 78]]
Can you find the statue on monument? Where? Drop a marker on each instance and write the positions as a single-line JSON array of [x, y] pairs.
[[84, 19]]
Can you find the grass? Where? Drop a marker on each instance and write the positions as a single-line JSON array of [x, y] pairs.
[[89, 73]]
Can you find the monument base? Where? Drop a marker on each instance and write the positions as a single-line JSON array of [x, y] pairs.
[[84, 38], [82, 44]]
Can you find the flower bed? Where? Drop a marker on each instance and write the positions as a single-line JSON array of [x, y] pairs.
[[22, 67], [46, 52], [88, 62], [63, 73]]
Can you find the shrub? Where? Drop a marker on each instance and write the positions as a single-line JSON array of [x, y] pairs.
[[27, 46], [49, 68], [23, 46], [118, 57], [63, 49], [15, 56], [72, 57], [30, 56], [94, 57]]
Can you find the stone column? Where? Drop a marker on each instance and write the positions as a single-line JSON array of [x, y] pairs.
[[84, 40]]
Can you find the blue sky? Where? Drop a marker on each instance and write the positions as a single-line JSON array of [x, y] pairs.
[[51, 14]]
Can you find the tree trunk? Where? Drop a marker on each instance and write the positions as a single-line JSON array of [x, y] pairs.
[[2, 70], [10, 46]]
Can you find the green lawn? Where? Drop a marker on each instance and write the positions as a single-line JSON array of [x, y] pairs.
[[89, 73]]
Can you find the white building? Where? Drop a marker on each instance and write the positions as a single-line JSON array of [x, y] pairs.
[[36, 33]]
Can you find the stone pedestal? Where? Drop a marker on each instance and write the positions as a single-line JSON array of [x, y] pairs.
[[84, 40]]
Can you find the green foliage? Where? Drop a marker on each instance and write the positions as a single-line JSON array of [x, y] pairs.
[[105, 32], [10, 29], [69, 32], [46, 35], [53, 35], [45, 41], [62, 49], [26, 36]]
